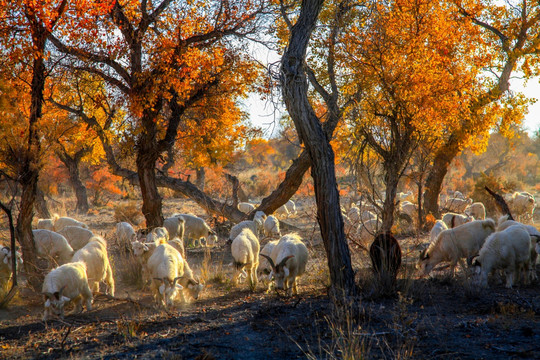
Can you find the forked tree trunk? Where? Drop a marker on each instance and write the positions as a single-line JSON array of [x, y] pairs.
[[72, 164], [321, 155]]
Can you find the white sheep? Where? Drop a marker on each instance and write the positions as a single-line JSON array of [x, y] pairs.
[[454, 244], [245, 252], [452, 219], [98, 268], [166, 267], [51, 245], [47, 224], [246, 224], [368, 228], [509, 249], [5, 264], [288, 260], [477, 210], [534, 233], [437, 228], [408, 196], [196, 228], [175, 226], [64, 284], [264, 266], [245, 207], [190, 285], [281, 211], [178, 244], [125, 234], [157, 234], [291, 207], [260, 218], [457, 205], [271, 226], [142, 252], [522, 205], [408, 208], [76, 236], [62, 222]]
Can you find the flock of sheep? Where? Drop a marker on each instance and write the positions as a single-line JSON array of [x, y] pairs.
[[83, 260]]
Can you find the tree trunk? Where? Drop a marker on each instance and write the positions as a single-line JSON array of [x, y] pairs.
[[41, 205], [201, 178], [321, 155], [147, 157], [436, 175], [72, 165]]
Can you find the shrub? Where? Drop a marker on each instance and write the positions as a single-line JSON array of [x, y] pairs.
[[128, 213]]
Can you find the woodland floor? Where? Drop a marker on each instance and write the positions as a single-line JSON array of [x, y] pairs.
[[429, 318]]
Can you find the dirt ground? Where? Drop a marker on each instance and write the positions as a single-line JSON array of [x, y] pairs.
[[428, 318]]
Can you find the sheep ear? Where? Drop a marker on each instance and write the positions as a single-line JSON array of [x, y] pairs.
[[476, 262], [48, 303], [286, 271], [179, 287], [162, 289], [5, 260], [64, 299]]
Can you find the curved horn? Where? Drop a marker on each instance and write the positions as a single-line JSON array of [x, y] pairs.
[[193, 282], [282, 262], [269, 260], [175, 280], [160, 279], [61, 291]]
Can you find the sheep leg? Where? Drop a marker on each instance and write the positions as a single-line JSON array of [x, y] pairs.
[[87, 296], [109, 280], [254, 272]]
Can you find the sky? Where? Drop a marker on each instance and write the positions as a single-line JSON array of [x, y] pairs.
[[262, 113]]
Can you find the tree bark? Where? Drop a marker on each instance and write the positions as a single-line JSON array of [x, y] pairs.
[[201, 178], [41, 205], [321, 155], [72, 165]]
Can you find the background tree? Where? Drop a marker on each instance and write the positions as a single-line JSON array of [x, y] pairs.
[[164, 59], [511, 30]]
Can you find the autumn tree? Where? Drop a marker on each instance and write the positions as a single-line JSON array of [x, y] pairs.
[[511, 30], [164, 60], [25, 27], [294, 82]]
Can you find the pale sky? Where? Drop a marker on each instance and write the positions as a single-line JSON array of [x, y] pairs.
[[262, 113]]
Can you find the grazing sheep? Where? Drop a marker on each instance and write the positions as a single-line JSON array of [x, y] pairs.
[[271, 226], [245, 252], [522, 205], [477, 210], [76, 236], [191, 286], [409, 209], [175, 226], [281, 211], [504, 223], [47, 224], [5, 264], [245, 207], [437, 228], [98, 268], [509, 249], [166, 267], [178, 244], [196, 228], [368, 228], [51, 245], [260, 218], [157, 234], [356, 216], [264, 266], [64, 284], [143, 251], [291, 207], [385, 255], [457, 205], [62, 222], [125, 234], [454, 244], [288, 260], [452, 219], [246, 224]]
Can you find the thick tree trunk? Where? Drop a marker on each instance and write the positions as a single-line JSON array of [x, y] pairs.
[[389, 207], [436, 175], [321, 155], [147, 156]]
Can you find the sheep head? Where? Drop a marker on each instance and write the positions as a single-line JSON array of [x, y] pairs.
[[280, 271], [169, 290], [54, 303], [195, 288]]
